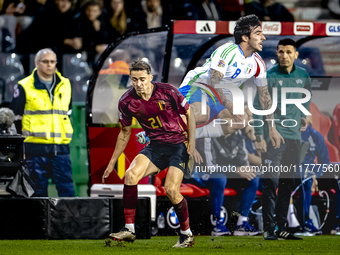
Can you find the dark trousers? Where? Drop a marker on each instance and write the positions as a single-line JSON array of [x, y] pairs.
[[281, 175], [58, 167]]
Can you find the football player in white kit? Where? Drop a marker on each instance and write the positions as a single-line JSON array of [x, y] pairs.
[[230, 64]]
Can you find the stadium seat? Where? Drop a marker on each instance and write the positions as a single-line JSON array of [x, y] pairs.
[[336, 126], [11, 71], [75, 67], [198, 192], [229, 192], [185, 189], [323, 124]]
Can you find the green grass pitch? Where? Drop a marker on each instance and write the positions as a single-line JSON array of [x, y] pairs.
[[163, 245]]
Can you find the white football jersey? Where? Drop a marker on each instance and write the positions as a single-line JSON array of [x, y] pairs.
[[229, 59]]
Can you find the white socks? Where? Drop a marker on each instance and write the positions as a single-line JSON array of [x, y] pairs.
[[211, 130], [130, 227], [241, 219], [186, 232], [292, 220]]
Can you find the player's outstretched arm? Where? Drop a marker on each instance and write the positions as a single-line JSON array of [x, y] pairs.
[[191, 135], [266, 103], [122, 140]]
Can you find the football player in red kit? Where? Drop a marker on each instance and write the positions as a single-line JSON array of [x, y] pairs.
[[158, 108]]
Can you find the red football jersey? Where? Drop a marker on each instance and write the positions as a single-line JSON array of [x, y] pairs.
[[159, 116]]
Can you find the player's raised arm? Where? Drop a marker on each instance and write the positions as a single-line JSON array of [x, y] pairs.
[[122, 140]]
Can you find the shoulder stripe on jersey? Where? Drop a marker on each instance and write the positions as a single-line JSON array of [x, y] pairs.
[[228, 50], [258, 70], [259, 63], [206, 62], [231, 59], [195, 78], [214, 53], [227, 53], [259, 58]]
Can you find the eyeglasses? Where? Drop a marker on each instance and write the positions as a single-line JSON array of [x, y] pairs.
[[49, 61]]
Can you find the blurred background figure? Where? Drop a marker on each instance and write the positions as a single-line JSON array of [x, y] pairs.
[[268, 10], [209, 10], [150, 14], [34, 6], [231, 9], [95, 29], [201, 10], [117, 15], [12, 17], [54, 27]]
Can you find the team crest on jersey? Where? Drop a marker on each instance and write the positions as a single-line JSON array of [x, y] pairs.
[[161, 105], [235, 64], [280, 82], [249, 67], [299, 81], [221, 63]]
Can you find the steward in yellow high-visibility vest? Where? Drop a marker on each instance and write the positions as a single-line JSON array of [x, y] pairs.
[[45, 118], [42, 105]]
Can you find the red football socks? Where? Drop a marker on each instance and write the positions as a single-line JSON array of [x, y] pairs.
[[130, 197], [182, 213]]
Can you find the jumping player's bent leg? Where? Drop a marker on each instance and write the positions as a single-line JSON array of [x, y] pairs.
[[172, 188], [200, 117], [232, 125], [224, 124], [140, 167]]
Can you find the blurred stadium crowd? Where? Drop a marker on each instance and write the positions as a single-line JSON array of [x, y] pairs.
[[78, 26]]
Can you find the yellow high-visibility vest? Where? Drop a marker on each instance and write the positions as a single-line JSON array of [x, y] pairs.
[[44, 122]]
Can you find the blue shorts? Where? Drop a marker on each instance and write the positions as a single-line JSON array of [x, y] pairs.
[[214, 104], [166, 155]]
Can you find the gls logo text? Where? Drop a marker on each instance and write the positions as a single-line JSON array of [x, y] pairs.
[[333, 29]]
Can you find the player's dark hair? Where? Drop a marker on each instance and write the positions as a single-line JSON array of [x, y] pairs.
[[244, 26], [140, 65], [287, 41]]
